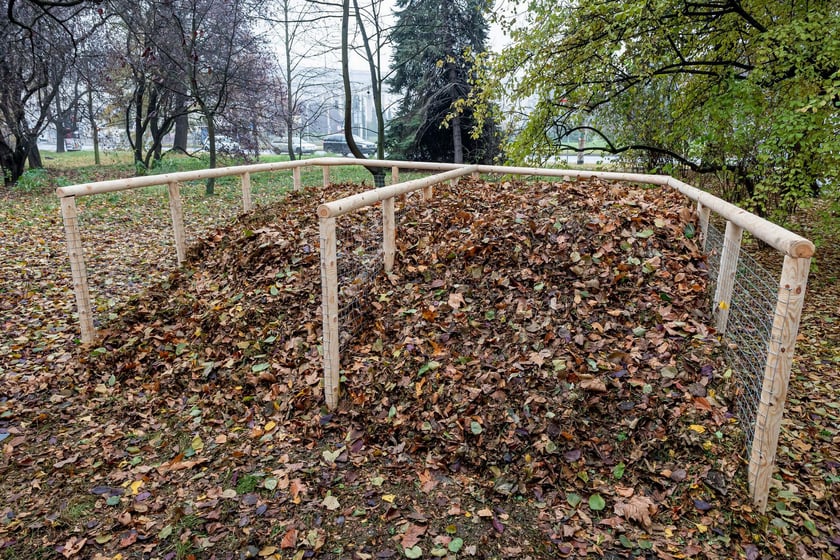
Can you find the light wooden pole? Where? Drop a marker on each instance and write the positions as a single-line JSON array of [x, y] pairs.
[[726, 275], [325, 171], [296, 178], [389, 233], [395, 175], [177, 211], [703, 215], [776, 377], [77, 268], [329, 311], [246, 192]]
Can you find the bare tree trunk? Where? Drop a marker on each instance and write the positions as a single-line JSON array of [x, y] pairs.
[[581, 144], [457, 140], [59, 127], [290, 105], [94, 130], [138, 122], [182, 125], [210, 186], [377, 172], [34, 155]]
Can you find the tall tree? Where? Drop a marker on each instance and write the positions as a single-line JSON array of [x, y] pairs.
[[37, 52], [300, 25], [435, 42], [372, 30], [747, 88], [219, 50], [142, 78]]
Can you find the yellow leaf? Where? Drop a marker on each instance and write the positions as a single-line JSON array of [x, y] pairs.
[[723, 305], [702, 528], [268, 551], [197, 443], [697, 428], [270, 426], [135, 486], [707, 445], [389, 498]]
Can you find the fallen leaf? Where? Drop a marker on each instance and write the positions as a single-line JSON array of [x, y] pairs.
[[638, 508], [330, 502], [412, 535], [593, 384], [73, 546], [289, 538]]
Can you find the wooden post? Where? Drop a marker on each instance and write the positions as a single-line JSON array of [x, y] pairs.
[[476, 175], [177, 212], [726, 274], [774, 387], [427, 193], [453, 183], [329, 310], [395, 178], [77, 268], [326, 172], [296, 177], [246, 192], [389, 233], [703, 214]]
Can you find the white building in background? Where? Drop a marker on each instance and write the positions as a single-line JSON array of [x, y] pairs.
[[327, 104]]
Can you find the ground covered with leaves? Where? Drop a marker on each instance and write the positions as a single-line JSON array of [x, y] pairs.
[[537, 379]]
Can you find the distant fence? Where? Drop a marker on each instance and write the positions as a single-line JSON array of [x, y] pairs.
[[771, 313]]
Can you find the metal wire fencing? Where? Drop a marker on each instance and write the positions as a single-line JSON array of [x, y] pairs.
[[749, 331], [359, 261]]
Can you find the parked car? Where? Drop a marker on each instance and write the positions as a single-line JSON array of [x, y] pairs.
[[337, 144], [224, 144], [301, 146]]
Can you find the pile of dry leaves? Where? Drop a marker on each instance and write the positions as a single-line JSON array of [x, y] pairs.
[[536, 379]]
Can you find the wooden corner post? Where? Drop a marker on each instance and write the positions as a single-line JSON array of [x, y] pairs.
[[329, 310], [774, 386], [77, 268], [176, 209], [325, 170], [726, 274], [296, 178], [246, 192], [389, 233]]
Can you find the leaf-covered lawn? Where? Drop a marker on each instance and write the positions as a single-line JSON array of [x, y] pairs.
[[536, 380]]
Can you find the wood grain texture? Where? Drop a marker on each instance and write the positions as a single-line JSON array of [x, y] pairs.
[[77, 268], [774, 387]]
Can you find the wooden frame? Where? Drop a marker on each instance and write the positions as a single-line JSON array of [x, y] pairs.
[[792, 285]]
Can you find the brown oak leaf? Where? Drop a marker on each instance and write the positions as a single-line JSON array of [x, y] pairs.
[[637, 508]]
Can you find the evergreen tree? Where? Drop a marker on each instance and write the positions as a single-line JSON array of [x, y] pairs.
[[434, 43]]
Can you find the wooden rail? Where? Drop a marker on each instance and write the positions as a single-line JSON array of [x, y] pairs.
[[792, 283]]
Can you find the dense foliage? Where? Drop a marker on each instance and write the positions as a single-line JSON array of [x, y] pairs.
[[747, 90], [434, 44]]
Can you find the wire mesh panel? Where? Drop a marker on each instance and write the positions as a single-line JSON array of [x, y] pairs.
[[714, 251], [749, 327], [359, 260]]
